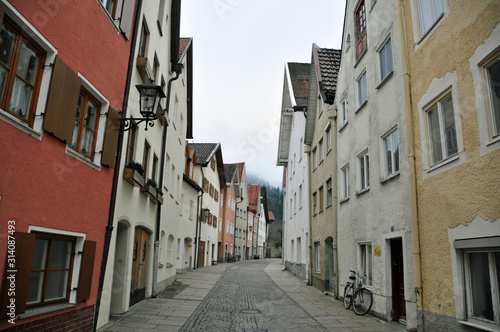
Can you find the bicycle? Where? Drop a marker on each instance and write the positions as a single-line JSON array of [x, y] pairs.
[[360, 298]]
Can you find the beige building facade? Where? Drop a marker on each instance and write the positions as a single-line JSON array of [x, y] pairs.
[[453, 50], [320, 145]]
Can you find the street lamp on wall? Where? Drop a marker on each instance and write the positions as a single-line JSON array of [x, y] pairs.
[[149, 102], [206, 212]]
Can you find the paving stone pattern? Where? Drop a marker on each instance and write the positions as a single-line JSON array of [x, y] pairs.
[[246, 298], [255, 295]]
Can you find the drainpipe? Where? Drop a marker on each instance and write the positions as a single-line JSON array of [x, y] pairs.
[[116, 171], [235, 208], [411, 157], [198, 204], [311, 264], [177, 70]]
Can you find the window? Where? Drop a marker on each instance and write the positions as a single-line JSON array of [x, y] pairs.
[[155, 167], [314, 159], [131, 145], [156, 68], [20, 72], [191, 208], [362, 90], [300, 196], [344, 113], [441, 130], [167, 168], [220, 225], [169, 250], [291, 205], [86, 124], [221, 200], [50, 277], [212, 164], [364, 171], [110, 6], [143, 43], [172, 178], [429, 12], [178, 247], [317, 257], [391, 152], [344, 179], [385, 59], [299, 246], [145, 157], [360, 17], [328, 135], [292, 247], [492, 71], [321, 200], [315, 204], [294, 202], [301, 147], [320, 148], [365, 262], [329, 192]]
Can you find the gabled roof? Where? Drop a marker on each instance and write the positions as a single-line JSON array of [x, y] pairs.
[[295, 94], [253, 197], [186, 54], [271, 217], [204, 153], [229, 170], [325, 64]]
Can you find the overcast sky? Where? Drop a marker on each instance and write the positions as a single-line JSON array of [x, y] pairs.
[[240, 49]]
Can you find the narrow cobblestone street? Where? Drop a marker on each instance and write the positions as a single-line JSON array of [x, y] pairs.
[[245, 296]]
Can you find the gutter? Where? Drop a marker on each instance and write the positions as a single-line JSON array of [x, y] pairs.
[[411, 157], [116, 172], [177, 70]]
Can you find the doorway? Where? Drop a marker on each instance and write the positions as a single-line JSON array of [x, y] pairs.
[[139, 266], [201, 254], [398, 285]]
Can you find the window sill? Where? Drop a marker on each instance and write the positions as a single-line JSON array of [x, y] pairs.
[[343, 200], [168, 265], [494, 140], [342, 126], [389, 177], [45, 310], [80, 157], [111, 20], [480, 326], [160, 265], [430, 30], [385, 79], [12, 120], [361, 106], [443, 163], [362, 191]]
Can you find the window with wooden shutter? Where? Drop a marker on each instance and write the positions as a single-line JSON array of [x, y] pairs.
[[86, 124], [111, 139], [24, 243], [86, 271], [127, 17], [62, 102], [20, 71]]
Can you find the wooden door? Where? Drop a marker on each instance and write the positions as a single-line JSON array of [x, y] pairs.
[[139, 265], [201, 254], [398, 284]]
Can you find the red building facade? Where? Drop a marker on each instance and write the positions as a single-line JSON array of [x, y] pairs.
[[63, 69]]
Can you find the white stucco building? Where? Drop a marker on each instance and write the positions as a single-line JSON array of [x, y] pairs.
[[296, 183], [374, 211]]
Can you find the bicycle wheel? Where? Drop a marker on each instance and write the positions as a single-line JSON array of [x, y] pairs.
[[362, 301], [348, 296]]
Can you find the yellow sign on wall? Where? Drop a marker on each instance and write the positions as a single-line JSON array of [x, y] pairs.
[[378, 251], [190, 245]]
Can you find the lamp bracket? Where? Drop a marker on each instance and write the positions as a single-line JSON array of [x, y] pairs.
[[130, 123]]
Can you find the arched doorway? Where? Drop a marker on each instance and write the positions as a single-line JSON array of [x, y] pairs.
[[118, 293], [139, 265]]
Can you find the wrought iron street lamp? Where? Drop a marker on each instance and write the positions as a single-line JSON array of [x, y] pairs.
[[149, 103], [206, 211]]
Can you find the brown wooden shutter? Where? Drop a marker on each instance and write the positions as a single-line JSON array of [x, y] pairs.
[[111, 139], [127, 17], [62, 101], [86, 271], [25, 243]]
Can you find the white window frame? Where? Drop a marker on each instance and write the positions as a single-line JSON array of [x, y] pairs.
[[365, 262], [385, 53], [344, 113], [362, 89], [315, 202], [317, 256], [363, 170], [321, 150], [420, 36], [328, 137], [345, 189], [314, 158], [438, 88], [300, 196], [299, 250], [482, 57], [385, 139]]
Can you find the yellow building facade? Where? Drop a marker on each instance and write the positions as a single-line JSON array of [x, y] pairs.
[[453, 48]]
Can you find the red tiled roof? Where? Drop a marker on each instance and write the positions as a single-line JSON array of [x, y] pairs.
[[183, 43], [271, 216], [253, 196], [284, 176]]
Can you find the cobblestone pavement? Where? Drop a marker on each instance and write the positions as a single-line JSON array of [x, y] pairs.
[[255, 295]]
